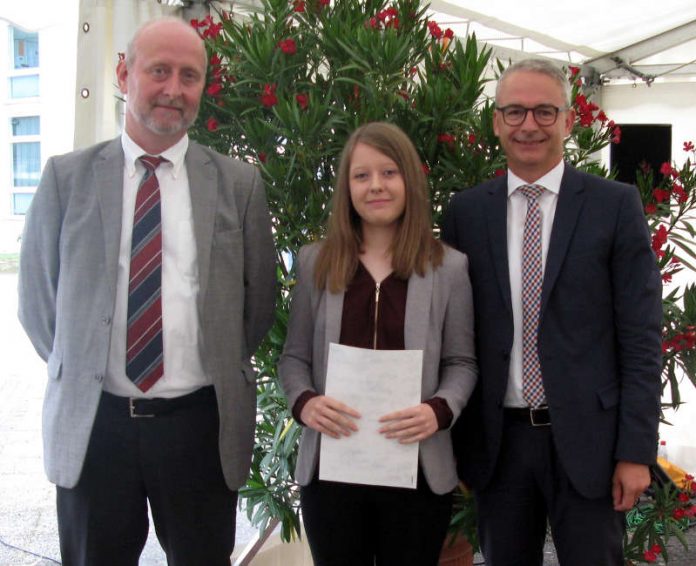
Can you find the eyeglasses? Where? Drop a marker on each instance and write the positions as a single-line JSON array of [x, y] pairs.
[[544, 114]]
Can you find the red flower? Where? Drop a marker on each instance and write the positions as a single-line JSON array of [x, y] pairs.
[[573, 71], [666, 169], [616, 135], [198, 23], [446, 138], [211, 124], [214, 89], [372, 23], [449, 34], [680, 193], [425, 168], [298, 5], [435, 30], [288, 46], [688, 146], [268, 97], [660, 195], [471, 138], [659, 238], [393, 23], [499, 172], [649, 556], [683, 497], [215, 60], [213, 30], [413, 70], [302, 100], [650, 208], [666, 277], [602, 117], [262, 156], [323, 3], [678, 514]]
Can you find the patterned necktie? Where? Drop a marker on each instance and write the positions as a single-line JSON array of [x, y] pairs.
[[144, 351], [532, 277]]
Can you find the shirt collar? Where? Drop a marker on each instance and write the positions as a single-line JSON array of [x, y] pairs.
[[174, 154], [551, 181]]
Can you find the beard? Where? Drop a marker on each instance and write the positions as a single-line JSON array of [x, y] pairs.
[[170, 126]]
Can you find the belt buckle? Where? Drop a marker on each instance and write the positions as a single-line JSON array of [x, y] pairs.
[[131, 408], [534, 419]]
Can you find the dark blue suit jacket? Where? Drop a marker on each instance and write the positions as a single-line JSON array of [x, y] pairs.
[[599, 334]]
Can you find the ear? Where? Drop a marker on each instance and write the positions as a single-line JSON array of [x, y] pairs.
[[496, 122], [122, 76], [569, 121]]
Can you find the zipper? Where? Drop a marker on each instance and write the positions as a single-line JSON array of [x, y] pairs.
[[374, 339]]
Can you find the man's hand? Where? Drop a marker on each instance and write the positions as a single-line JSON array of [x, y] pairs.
[[629, 482], [410, 425], [329, 416]]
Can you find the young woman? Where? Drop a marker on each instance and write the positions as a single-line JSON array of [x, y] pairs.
[[380, 280]]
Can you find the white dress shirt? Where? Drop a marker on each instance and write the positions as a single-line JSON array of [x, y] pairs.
[[183, 369], [516, 213]]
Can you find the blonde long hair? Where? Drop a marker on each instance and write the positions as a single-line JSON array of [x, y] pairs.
[[414, 246]]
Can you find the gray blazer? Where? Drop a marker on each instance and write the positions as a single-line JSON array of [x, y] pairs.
[[439, 321], [67, 285]]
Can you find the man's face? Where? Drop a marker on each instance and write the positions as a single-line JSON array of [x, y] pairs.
[[163, 84], [532, 150]]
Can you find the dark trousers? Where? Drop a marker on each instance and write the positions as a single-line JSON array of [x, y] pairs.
[[529, 490], [171, 460], [358, 525]]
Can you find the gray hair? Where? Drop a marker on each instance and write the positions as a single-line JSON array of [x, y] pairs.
[[537, 66], [131, 48]]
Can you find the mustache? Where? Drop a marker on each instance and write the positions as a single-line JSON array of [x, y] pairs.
[[176, 103]]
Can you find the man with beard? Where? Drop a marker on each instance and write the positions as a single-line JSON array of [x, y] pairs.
[[562, 426], [135, 287]]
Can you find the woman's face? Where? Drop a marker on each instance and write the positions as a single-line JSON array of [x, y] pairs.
[[377, 188]]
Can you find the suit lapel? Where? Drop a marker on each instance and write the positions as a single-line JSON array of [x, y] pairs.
[[202, 177], [333, 315], [418, 299], [570, 200], [108, 180], [496, 217]]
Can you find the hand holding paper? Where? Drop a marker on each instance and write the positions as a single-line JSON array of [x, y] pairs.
[[410, 425], [329, 416]]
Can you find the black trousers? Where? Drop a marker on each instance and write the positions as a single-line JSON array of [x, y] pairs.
[[171, 460], [529, 490], [358, 525]]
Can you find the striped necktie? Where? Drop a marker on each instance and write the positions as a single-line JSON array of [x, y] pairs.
[[532, 278], [144, 351]]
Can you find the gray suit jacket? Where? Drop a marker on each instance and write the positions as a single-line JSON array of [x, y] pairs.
[[67, 286], [439, 321]]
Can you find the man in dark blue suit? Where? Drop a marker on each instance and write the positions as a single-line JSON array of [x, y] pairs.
[[563, 424]]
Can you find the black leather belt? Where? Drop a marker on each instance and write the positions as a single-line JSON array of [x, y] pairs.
[[534, 417], [136, 407]]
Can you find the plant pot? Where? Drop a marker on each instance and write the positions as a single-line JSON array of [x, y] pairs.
[[456, 552]]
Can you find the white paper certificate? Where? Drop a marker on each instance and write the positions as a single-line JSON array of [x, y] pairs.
[[374, 383]]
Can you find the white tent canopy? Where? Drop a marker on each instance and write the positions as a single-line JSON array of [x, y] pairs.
[[620, 39]]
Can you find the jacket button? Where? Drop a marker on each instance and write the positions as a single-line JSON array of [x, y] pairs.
[[99, 377]]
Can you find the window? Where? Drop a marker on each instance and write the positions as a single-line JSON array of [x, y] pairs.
[[24, 77], [26, 160], [25, 48], [24, 86], [26, 126]]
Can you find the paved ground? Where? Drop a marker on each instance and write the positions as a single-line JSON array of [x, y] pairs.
[[28, 534]]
